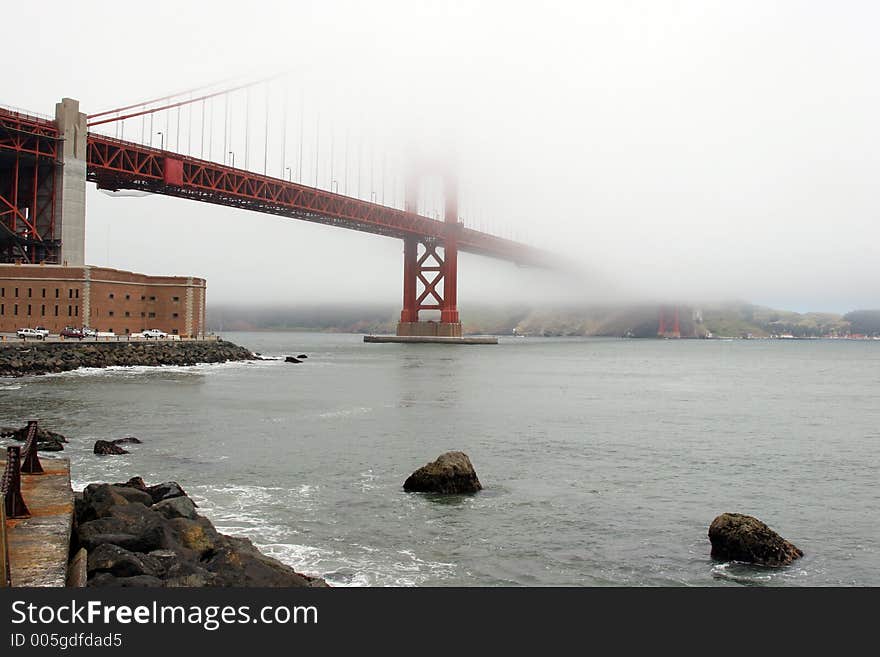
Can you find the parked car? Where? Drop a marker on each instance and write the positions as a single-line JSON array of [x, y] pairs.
[[25, 333], [89, 332], [71, 332], [154, 333], [43, 330]]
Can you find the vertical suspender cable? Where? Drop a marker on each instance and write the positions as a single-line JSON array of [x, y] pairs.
[[225, 125], [266, 134], [302, 111], [345, 188], [284, 130], [317, 144], [189, 128], [202, 144], [211, 130], [247, 118]]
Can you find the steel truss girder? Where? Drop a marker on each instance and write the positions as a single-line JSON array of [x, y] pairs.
[[29, 151], [118, 164]]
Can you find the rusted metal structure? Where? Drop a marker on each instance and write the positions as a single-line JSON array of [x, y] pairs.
[[5, 574], [10, 484], [30, 460], [29, 171]]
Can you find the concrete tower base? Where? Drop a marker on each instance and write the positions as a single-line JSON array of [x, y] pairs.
[[429, 329], [430, 339]]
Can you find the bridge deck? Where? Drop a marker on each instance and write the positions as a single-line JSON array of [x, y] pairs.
[[39, 545]]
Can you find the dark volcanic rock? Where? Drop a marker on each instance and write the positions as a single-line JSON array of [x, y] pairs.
[[738, 537], [128, 440], [133, 495], [97, 500], [47, 441], [108, 580], [118, 561], [103, 447], [177, 507], [236, 562], [451, 473], [135, 482], [139, 535], [291, 359], [165, 491], [302, 356]]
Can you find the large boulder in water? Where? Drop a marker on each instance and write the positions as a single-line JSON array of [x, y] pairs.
[[103, 447], [451, 473], [738, 537]]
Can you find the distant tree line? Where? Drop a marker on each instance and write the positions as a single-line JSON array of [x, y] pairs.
[[866, 322]]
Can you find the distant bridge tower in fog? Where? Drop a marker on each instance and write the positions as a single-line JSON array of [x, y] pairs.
[[668, 325]]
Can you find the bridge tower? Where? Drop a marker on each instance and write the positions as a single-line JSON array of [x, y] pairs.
[[430, 277], [668, 325]]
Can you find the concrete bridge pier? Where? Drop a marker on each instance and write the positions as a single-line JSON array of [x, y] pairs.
[[70, 202]]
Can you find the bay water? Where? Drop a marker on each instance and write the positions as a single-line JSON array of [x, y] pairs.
[[603, 461]]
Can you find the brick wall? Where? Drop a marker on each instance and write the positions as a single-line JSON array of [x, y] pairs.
[[104, 299]]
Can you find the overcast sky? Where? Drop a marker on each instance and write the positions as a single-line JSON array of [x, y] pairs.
[[681, 150]]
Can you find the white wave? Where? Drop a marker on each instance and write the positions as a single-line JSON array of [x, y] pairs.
[[137, 370], [244, 510], [740, 573], [345, 412]]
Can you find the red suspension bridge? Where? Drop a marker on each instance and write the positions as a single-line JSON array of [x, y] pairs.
[[45, 164]]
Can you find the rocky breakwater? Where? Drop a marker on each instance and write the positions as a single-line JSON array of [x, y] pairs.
[[139, 535], [44, 357]]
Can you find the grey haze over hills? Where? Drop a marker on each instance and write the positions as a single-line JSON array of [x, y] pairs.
[[734, 319]]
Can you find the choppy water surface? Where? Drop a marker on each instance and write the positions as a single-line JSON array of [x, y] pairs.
[[603, 461]]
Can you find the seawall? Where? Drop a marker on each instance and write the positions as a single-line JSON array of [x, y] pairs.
[[32, 358]]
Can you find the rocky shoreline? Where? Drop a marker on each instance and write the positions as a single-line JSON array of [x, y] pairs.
[[36, 358], [135, 535]]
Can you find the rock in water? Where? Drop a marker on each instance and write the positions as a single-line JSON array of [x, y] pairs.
[[47, 441], [291, 359], [128, 440], [104, 447], [302, 356], [451, 473], [738, 537]]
